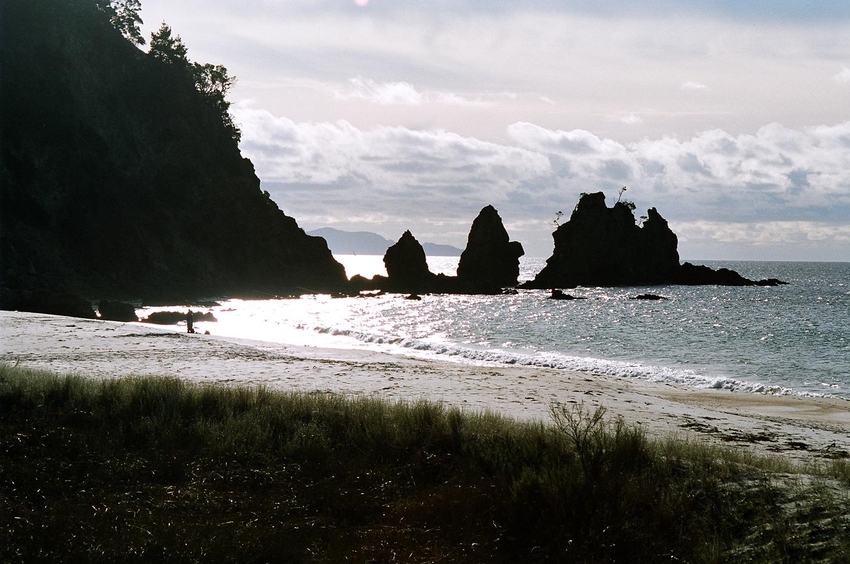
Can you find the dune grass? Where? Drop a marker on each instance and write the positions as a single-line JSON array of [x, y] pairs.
[[158, 469]]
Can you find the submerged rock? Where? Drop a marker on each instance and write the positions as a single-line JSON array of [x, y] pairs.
[[559, 295]]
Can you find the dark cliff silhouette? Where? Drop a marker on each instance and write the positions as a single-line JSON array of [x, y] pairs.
[[121, 175], [602, 246]]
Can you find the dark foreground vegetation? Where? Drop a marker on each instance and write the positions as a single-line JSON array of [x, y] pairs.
[[160, 470]]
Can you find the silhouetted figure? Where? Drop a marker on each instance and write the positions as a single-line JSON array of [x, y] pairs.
[[190, 322]]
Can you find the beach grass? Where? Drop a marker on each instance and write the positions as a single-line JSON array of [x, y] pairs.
[[159, 469]]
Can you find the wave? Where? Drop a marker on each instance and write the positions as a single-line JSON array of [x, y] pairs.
[[559, 361]]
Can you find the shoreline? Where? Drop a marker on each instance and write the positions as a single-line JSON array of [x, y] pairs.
[[803, 429]]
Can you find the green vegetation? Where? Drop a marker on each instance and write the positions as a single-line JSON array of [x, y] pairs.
[[157, 469]]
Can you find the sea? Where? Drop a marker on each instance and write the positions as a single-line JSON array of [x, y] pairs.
[[790, 339]]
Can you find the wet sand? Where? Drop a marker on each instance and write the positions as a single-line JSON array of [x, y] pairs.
[[803, 429]]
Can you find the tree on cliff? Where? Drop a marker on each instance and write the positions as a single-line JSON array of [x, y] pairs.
[[124, 16], [167, 48], [211, 81]]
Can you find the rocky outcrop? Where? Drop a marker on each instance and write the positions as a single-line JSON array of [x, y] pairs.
[[116, 311], [407, 267], [490, 261], [175, 317], [696, 275], [602, 246]]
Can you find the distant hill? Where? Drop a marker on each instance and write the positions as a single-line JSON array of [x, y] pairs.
[[121, 175], [366, 243]]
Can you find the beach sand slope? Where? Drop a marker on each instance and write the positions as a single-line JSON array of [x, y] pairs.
[[803, 429]]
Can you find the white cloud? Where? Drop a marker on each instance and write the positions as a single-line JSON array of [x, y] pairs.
[[389, 158], [691, 85], [771, 240], [717, 184], [386, 93], [843, 76], [631, 119]]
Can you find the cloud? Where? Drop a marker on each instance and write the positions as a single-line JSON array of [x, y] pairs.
[[405, 94], [796, 180], [843, 76], [691, 85], [386, 93], [771, 240], [631, 119], [391, 159]]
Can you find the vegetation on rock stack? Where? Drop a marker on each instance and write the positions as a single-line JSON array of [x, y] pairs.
[[121, 175]]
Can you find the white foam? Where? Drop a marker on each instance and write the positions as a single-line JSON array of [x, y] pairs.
[[557, 361]]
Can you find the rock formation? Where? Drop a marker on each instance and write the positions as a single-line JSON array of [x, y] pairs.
[[490, 261], [602, 246], [407, 267], [116, 311]]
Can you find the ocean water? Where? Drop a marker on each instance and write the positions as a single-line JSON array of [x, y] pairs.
[[792, 339]]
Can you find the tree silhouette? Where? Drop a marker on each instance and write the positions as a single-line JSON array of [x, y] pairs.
[[167, 48], [124, 16], [212, 82]]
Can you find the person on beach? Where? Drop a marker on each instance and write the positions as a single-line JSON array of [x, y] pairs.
[[190, 322]]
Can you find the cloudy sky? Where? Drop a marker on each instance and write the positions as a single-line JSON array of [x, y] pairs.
[[731, 118]]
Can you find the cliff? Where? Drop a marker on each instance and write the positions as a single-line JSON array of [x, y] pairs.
[[121, 175]]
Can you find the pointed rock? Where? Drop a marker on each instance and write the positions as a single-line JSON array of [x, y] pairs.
[[407, 267], [490, 260]]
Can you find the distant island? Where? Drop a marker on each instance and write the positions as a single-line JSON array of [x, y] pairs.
[[367, 243]]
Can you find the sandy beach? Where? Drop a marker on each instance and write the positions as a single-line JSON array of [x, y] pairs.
[[803, 429]]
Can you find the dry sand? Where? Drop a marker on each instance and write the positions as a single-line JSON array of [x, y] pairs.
[[799, 428]]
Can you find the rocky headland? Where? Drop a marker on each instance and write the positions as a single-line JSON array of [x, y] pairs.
[[121, 176]]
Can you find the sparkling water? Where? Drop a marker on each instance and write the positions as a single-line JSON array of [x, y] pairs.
[[787, 339]]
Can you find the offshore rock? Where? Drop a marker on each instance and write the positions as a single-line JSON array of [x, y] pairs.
[[116, 311], [490, 260], [692, 275], [602, 246], [407, 267]]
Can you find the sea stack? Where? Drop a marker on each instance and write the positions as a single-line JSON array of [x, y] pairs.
[[407, 267], [490, 261]]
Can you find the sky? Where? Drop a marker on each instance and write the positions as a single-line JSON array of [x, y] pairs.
[[731, 118]]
